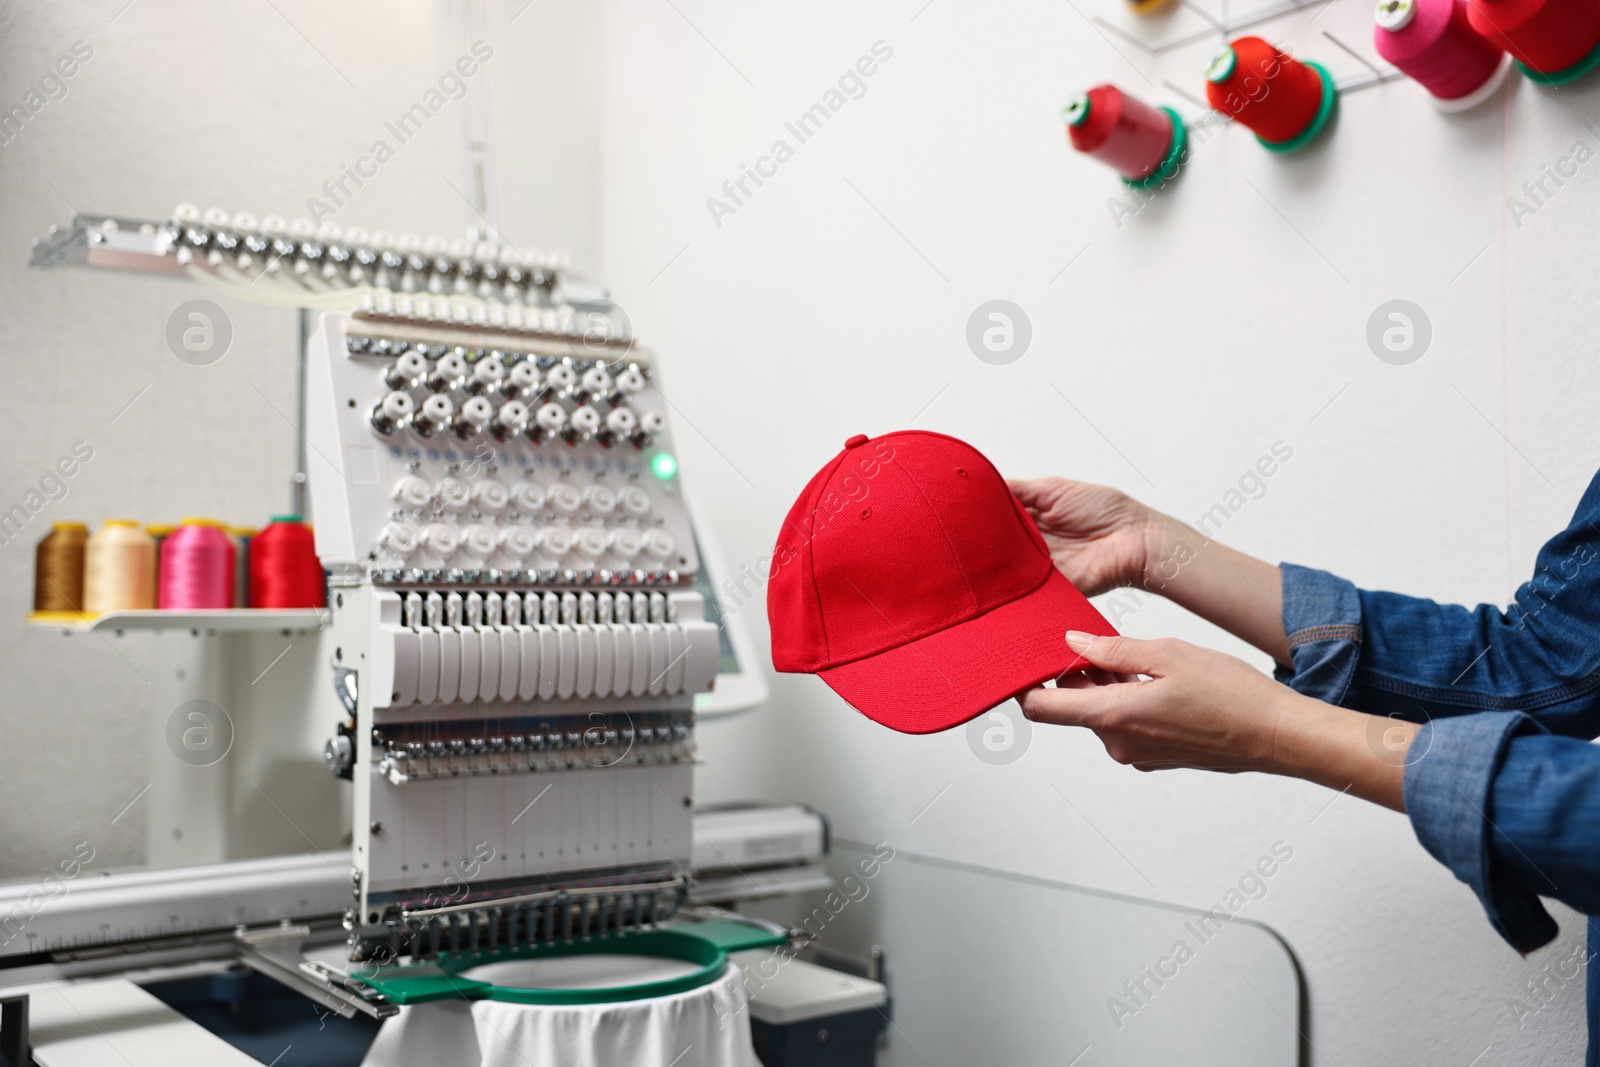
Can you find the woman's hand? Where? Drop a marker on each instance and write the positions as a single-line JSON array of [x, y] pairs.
[[1203, 709], [1197, 708], [1099, 537]]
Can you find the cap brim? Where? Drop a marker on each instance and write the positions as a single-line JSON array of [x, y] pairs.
[[949, 677]]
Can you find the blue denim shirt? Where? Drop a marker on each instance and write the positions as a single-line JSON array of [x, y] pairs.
[[1501, 784]]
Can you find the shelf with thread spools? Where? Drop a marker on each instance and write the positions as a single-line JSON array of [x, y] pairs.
[[1458, 51], [196, 574]]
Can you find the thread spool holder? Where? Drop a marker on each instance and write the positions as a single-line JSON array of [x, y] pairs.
[[1224, 27]]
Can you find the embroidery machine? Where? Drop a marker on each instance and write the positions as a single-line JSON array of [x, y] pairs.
[[523, 634]]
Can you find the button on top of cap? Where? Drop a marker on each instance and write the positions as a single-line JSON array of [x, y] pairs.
[[858, 439]]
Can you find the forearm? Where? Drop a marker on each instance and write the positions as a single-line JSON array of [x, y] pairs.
[[1237, 592], [1344, 750]]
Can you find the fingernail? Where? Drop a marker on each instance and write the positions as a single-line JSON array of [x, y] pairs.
[[1077, 640]]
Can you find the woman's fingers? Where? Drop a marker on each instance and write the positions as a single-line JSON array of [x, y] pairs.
[[1076, 680], [1034, 493], [1083, 704], [1124, 655], [1197, 709], [1090, 677], [1024, 487]]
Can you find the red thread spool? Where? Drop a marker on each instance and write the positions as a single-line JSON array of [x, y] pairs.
[[196, 568], [1143, 143], [1284, 101], [1433, 42], [284, 569], [1554, 41]]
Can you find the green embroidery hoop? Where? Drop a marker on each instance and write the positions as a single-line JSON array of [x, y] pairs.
[[704, 943]]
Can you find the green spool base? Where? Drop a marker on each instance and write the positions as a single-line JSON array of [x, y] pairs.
[[1330, 96], [1561, 77], [1168, 167], [706, 944]]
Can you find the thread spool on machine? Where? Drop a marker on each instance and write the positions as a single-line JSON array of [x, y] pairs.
[[201, 565], [119, 569], [197, 567], [284, 571], [58, 571]]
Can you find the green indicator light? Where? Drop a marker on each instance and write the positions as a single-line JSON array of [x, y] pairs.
[[663, 465]]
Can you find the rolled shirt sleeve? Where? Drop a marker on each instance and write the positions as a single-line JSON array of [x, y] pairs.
[[1499, 787], [1322, 618], [1452, 780], [1456, 763], [1464, 797]]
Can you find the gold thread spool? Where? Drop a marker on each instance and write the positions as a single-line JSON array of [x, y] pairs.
[[119, 569], [58, 570]]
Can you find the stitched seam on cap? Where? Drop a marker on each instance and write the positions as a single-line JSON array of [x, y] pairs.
[[811, 561], [955, 557]]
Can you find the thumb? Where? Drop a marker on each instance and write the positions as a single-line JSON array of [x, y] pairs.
[[1124, 654]]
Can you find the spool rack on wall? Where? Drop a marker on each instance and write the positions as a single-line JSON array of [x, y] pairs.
[[1224, 26], [1458, 51]]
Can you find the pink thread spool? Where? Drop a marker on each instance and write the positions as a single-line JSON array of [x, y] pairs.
[[1432, 42], [196, 567]]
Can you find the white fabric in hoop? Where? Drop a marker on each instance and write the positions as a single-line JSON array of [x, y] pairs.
[[704, 1027]]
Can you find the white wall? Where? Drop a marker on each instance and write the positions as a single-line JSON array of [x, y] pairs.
[[249, 107], [1224, 317]]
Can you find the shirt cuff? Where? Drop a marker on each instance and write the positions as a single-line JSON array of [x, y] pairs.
[[1322, 619], [1449, 775]]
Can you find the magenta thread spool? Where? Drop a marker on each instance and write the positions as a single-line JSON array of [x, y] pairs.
[[1433, 43], [197, 569]]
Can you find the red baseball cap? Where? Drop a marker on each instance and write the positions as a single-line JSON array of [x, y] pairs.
[[910, 578]]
